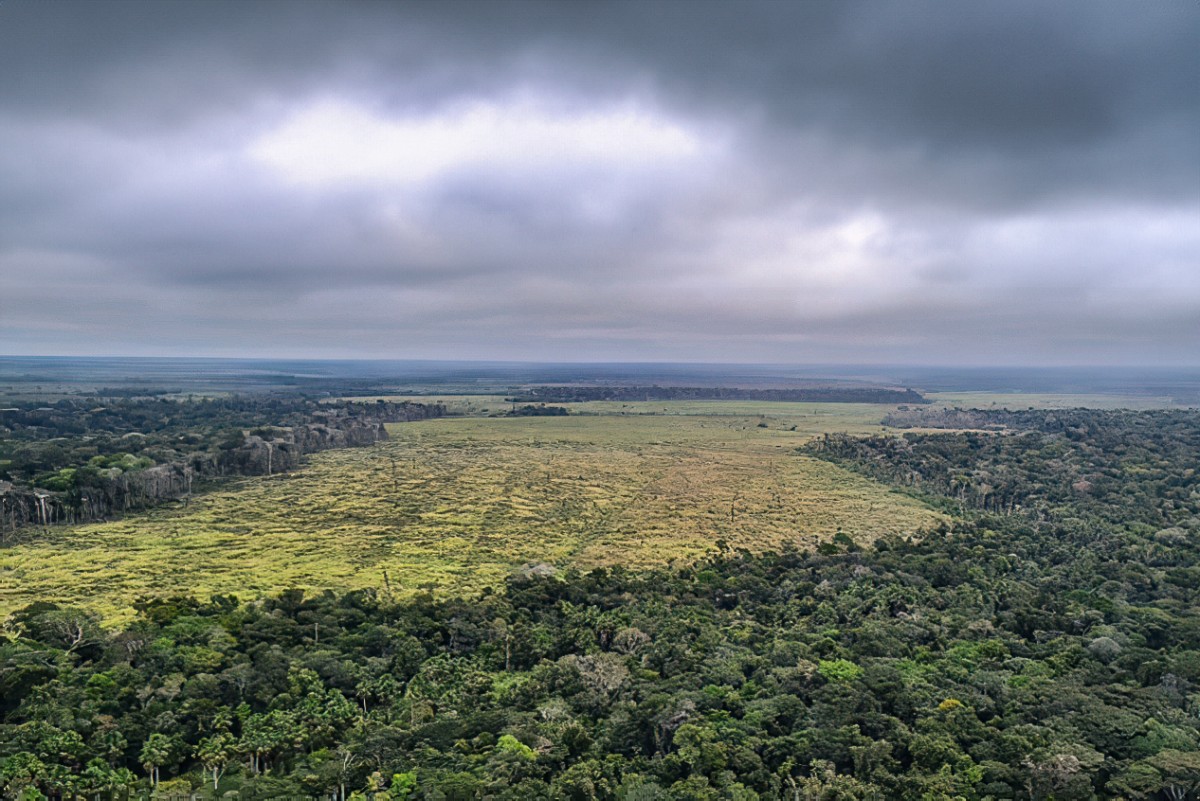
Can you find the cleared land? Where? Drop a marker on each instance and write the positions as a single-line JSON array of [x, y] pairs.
[[1043, 400], [460, 502], [495, 404]]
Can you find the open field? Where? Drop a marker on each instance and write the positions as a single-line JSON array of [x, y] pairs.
[[461, 502], [1035, 400], [809, 418], [495, 404]]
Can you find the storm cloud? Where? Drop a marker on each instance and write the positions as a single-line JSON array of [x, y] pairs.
[[1001, 182]]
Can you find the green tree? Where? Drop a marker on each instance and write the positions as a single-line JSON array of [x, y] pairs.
[[215, 753], [159, 750], [21, 772]]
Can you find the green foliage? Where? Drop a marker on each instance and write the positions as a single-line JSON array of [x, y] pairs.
[[1046, 651], [511, 746], [839, 670], [461, 503], [404, 785], [89, 458]]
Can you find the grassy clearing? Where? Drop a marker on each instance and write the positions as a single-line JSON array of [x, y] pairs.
[[482, 405], [809, 418], [460, 502], [1030, 400]]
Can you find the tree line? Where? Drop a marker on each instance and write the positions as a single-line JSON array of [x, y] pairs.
[[84, 459], [581, 394]]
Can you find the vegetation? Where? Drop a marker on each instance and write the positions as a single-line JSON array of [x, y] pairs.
[[1051, 400], [460, 503], [1128, 467], [1047, 648], [90, 458], [40, 440], [816, 394], [539, 410]]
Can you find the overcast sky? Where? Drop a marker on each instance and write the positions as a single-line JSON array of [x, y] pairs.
[[919, 182]]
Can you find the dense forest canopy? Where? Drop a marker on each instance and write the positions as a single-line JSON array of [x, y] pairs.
[[1045, 645]]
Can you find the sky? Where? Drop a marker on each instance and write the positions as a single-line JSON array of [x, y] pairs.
[[786, 182]]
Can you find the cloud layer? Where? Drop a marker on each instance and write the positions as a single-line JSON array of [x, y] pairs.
[[773, 182]]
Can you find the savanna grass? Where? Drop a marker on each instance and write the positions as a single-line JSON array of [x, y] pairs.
[[458, 503]]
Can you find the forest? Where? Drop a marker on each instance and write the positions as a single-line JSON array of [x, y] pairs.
[[1044, 644], [842, 394], [88, 458]]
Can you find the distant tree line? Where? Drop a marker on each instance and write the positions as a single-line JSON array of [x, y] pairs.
[[580, 394], [1051, 421], [1124, 466], [537, 410]]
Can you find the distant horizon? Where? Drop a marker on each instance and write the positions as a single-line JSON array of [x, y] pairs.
[[1181, 384]]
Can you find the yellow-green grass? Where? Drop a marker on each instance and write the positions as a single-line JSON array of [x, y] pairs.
[[813, 418], [459, 503], [495, 404], [1042, 400]]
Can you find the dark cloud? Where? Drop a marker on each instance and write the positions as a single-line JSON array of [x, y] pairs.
[[766, 181]]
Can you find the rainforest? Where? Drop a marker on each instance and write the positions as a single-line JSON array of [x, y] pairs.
[[701, 599]]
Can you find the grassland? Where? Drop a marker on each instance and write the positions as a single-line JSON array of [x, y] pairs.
[[495, 404], [1044, 400], [459, 503]]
